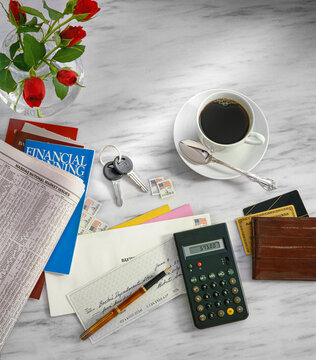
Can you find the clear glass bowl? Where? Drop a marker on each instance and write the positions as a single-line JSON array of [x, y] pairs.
[[51, 104]]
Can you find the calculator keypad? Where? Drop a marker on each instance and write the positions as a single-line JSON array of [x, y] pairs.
[[217, 295]]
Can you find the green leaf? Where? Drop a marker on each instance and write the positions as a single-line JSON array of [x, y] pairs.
[[57, 39], [65, 42], [19, 62], [4, 61], [34, 12], [14, 48], [61, 90], [7, 82], [22, 19], [32, 22], [25, 29], [34, 51], [69, 54], [80, 16], [69, 9], [11, 18], [53, 14]]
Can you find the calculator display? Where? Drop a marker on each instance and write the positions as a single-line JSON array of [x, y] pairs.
[[204, 247]]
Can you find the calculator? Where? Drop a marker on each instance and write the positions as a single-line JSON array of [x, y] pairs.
[[211, 276]]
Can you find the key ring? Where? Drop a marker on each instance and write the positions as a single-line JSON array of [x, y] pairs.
[[106, 147]]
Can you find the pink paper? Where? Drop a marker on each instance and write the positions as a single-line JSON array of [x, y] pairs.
[[177, 213]]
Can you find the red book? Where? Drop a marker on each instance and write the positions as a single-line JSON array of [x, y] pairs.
[[16, 124], [38, 288], [13, 137], [20, 137]]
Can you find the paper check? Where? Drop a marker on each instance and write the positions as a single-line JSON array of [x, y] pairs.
[[94, 300]]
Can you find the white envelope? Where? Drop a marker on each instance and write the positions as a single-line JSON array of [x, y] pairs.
[[97, 253]]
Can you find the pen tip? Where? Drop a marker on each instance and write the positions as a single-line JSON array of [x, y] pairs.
[[167, 270]]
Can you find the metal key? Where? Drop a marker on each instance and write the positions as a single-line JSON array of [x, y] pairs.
[[125, 167], [110, 173]]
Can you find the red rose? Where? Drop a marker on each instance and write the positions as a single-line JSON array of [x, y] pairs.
[[88, 7], [18, 14], [67, 77], [34, 91], [76, 33]]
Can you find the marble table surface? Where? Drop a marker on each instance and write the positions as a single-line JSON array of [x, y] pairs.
[[143, 61]]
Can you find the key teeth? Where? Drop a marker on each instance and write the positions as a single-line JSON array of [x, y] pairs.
[[117, 193], [137, 181], [143, 188], [119, 202]]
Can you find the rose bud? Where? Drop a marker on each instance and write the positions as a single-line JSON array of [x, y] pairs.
[[88, 7], [75, 33], [33, 91], [18, 14], [67, 77]]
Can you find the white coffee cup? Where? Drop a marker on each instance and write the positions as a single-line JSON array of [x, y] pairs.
[[251, 136]]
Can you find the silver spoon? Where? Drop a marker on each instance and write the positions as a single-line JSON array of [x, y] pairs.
[[200, 154]]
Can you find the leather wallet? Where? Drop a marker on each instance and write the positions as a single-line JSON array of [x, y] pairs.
[[284, 248]]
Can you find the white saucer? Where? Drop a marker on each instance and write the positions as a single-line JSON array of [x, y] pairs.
[[245, 156]]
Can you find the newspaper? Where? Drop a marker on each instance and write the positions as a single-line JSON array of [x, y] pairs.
[[36, 203]]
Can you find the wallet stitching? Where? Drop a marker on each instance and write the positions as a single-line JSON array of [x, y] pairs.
[[298, 227], [285, 258], [287, 247]]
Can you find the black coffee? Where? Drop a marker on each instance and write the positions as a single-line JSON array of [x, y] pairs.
[[224, 121]]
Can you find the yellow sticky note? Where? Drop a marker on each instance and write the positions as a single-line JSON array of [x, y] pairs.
[[143, 218], [245, 226]]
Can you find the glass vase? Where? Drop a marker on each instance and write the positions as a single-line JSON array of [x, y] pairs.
[[51, 104]]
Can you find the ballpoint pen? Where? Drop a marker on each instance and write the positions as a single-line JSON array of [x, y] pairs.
[[117, 309]]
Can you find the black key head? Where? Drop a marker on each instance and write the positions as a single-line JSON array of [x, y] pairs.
[[110, 173], [124, 166]]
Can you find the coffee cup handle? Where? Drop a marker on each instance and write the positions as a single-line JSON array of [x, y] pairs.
[[255, 138]]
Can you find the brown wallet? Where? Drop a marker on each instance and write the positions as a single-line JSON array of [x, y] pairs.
[[284, 248]]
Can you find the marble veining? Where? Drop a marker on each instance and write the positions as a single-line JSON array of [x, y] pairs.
[[143, 60]]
